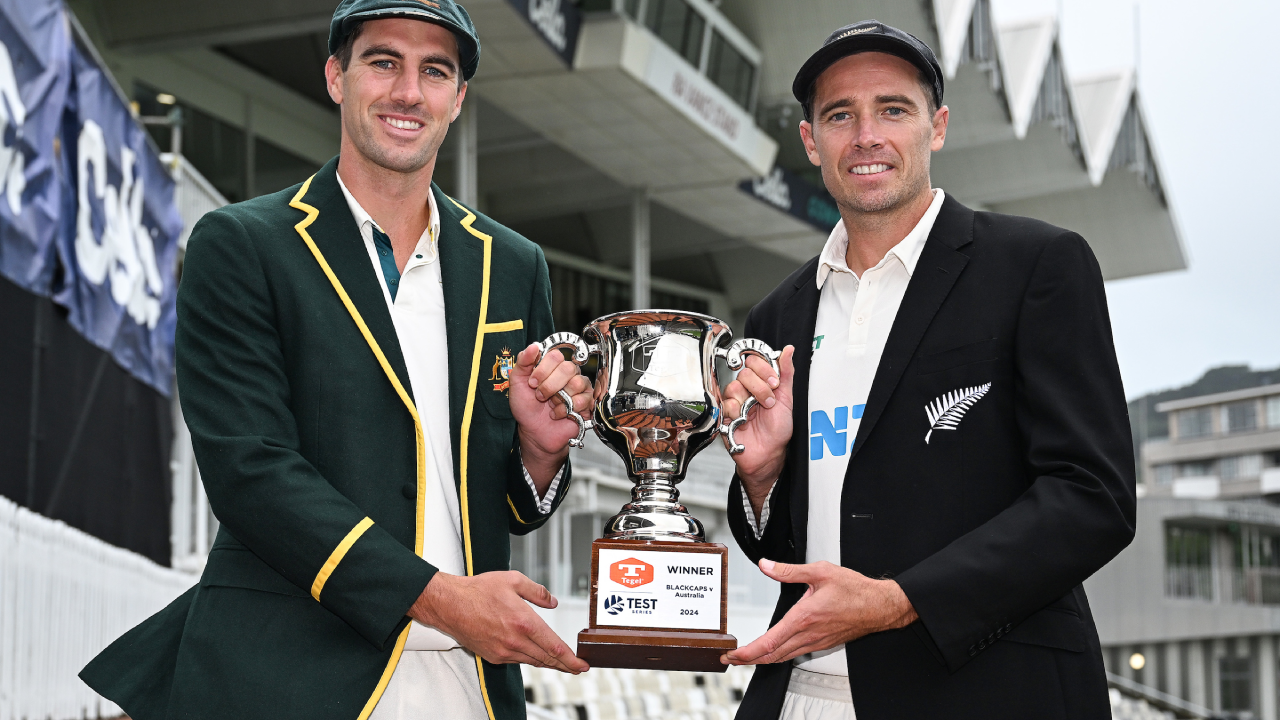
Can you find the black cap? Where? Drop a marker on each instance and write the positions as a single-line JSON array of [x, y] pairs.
[[445, 13], [868, 35]]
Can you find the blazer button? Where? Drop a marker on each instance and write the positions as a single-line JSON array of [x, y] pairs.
[[982, 644], [972, 651], [409, 490], [1008, 627]]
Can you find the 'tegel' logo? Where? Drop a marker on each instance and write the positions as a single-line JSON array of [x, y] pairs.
[[631, 573]]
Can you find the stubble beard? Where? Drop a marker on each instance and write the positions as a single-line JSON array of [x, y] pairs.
[[891, 198], [887, 199], [407, 161]]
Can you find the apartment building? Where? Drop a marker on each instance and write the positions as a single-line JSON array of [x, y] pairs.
[[1189, 614], [1223, 445]]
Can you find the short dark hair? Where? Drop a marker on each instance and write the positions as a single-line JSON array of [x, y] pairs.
[[343, 53], [926, 84]]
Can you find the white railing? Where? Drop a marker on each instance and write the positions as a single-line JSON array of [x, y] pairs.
[[194, 195], [64, 596], [1248, 586]]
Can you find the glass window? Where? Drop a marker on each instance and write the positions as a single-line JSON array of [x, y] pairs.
[[1164, 474], [730, 70], [1273, 411], [1196, 422], [1199, 468], [679, 26], [1236, 678], [217, 150], [1188, 562], [1240, 467], [1242, 416], [213, 147], [275, 168]]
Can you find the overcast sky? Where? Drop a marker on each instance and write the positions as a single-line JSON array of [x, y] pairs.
[[1207, 79]]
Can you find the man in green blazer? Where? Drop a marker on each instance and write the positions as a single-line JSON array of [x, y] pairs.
[[368, 431]]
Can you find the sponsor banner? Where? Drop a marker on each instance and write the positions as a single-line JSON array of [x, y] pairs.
[[119, 230], [795, 196], [656, 589], [33, 89], [87, 213], [557, 22]]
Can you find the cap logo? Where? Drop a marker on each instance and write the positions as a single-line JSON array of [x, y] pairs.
[[857, 31]]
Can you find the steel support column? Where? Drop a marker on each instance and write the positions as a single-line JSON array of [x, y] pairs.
[[640, 250], [466, 167]]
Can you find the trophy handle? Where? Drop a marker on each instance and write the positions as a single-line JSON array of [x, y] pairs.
[[581, 352], [733, 358]]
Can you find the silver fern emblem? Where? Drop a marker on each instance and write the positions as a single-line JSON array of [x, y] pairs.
[[946, 412]]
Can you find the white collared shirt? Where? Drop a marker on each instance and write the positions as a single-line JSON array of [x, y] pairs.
[[418, 313], [855, 315]]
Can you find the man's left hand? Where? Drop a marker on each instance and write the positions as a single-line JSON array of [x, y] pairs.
[[840, 605], [545, 427]]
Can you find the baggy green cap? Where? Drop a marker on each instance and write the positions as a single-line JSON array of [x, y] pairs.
[[445, 13]]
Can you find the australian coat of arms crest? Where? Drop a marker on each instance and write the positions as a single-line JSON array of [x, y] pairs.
[[502, 365]]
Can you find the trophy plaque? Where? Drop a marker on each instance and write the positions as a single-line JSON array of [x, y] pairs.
[[658, 588]]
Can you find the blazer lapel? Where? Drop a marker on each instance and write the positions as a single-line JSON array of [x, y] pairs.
[[335, 234], [936, 273], [462, 272], [802, 311]]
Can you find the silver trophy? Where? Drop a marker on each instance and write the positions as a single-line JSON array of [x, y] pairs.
[[657, 404]]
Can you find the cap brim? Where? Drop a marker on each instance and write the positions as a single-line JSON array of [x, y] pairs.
[[826, 56]]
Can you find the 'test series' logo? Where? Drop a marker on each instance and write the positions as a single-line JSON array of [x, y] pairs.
[[631, 573]]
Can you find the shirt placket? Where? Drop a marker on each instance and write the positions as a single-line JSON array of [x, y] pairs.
[[860, 318]]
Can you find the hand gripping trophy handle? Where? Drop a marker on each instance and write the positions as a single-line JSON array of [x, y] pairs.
[[581, 353], [733, 358]]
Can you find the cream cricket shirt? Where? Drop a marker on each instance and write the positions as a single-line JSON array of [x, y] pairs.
[[418, 314], [855, 316]]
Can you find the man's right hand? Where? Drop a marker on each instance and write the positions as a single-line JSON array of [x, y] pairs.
[[487, 615], [768, 430]]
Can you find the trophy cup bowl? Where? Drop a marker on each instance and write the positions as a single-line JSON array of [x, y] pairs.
[[657, 403]]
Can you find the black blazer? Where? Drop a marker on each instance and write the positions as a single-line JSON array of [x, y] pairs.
[[991, 528]]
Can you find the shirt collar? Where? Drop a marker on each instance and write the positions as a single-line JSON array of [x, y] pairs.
[[907, 251], [362, 217]]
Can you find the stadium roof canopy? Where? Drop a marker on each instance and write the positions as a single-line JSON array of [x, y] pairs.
[[564, 149]]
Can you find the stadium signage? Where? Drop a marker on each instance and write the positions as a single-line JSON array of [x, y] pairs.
[[795, 196], [557, 22]]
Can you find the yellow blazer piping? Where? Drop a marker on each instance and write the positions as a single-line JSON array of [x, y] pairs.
[[336, 557], [419, 439], [464, 442]]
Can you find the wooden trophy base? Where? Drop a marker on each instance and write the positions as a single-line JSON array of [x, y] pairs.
[[647, 587], [655, 649]]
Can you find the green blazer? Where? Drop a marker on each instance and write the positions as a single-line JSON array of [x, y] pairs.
[[307, 435]]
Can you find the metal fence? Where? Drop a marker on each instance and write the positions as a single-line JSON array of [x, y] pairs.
[[64, 596]]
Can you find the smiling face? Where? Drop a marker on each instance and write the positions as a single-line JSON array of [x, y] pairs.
[[872, 133], [399, 93]]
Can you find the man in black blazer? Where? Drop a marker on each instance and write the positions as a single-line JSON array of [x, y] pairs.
[[976, 418]]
